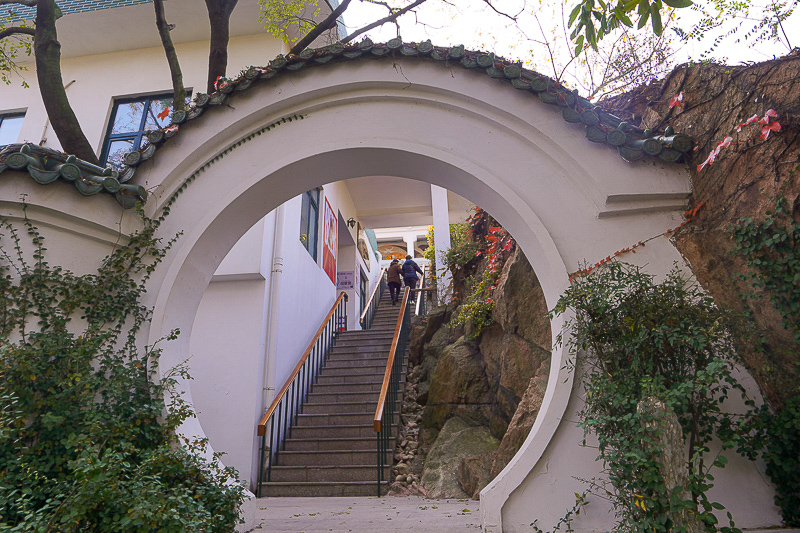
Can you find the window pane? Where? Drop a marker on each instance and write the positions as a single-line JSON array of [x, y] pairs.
[[159, 114], [10, 128], [304, 221], [128, 117], [116, 152], [313, 223]]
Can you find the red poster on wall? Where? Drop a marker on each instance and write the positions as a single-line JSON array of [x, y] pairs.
[[329, 246]]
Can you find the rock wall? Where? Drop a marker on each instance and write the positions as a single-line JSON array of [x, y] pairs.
[[488, 389], [742, 182]]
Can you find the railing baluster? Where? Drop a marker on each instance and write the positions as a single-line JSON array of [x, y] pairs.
[[283, 414]]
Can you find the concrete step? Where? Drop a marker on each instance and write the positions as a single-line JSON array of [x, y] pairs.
[[322, 490], [355, 443], [343, 396], [362, 359], [330, 474], [332, 380], [321, 408], [381, 348], [331, 458], [364, 418], [336, 388], [366, 369], [343, 431]]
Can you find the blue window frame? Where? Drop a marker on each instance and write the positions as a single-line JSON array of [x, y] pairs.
[[309, 221], [130, 119], [10, 126]]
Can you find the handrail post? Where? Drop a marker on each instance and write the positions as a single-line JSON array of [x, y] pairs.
[[388, 397]]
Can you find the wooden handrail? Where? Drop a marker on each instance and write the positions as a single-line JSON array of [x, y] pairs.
[[387, 375], [263, 423], [371, 296]]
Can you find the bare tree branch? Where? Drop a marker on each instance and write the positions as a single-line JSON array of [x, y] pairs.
[[178, 89], [16, 30], [323, 26], [501, 13], [391, 18]]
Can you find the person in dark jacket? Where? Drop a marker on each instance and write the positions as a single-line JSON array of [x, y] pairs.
[[410, 278], [393, 277]]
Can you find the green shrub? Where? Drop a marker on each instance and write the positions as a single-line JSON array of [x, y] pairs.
[[641, 340], [88, 440]]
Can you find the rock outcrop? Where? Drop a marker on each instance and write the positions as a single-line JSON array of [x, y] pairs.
[[492, 386]]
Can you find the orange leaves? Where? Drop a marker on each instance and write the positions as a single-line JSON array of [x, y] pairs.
[[767, 127]]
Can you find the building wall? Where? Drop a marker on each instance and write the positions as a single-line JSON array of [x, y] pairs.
[[94, 81], [230, 340]]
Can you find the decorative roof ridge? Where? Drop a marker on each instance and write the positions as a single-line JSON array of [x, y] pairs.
[[46, 166], [633, 143]]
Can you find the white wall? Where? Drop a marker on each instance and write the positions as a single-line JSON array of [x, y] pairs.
[[229, 343], [94, 81]]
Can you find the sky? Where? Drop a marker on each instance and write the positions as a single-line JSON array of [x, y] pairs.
[[471, 23]]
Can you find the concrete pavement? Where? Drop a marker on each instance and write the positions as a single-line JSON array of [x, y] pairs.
[[389, 514]]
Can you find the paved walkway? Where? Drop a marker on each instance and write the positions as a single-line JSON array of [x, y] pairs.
[[367, 515]]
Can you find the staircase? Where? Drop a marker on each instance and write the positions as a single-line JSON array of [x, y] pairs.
[[332, 448]]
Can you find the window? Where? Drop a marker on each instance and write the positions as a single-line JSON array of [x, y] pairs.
[[309, 221], [10, 126], [130, 119]]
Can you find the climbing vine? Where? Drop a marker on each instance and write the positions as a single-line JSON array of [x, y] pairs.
[[482, 239], [88, 439], [770, 249], [652, 352]]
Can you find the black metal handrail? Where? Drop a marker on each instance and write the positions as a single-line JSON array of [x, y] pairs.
[[372, 303], [390, 389], [282, 414]]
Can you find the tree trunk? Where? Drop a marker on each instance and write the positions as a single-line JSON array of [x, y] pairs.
[[178, 90], [47, 50], [219, 15]]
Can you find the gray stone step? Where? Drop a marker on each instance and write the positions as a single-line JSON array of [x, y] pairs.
[[355, 443], [322, 490], [315, 474], [363, 418], [325, 458], [336, 388], [333, 432], [331, 380], [321, 408], [366, 369], [343, 396]]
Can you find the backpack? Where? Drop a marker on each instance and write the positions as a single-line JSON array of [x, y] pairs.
[[408, 270]]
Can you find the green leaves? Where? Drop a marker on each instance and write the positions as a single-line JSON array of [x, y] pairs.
[[84, 428], [649, 344], [592, 23]]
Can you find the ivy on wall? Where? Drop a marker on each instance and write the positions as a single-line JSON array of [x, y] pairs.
[[770, 249], [87, 432]]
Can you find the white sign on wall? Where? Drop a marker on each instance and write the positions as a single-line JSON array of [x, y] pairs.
[[345, 280]]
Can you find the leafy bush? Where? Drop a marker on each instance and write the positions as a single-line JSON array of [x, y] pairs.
[[88, 439], [642, 341]]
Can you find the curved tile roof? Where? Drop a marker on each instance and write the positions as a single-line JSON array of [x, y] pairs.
[[632, 143]]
